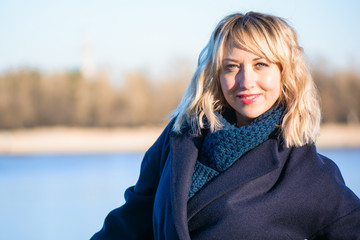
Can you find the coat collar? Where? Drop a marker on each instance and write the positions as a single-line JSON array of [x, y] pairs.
[[256, 163], [184, 152]]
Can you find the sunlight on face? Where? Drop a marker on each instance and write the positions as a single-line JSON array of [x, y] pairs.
[[250, 84]]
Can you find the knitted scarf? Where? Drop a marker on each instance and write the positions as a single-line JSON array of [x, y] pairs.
[[222, 148]]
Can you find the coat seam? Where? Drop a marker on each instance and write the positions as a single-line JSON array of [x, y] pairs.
[[333, 222]]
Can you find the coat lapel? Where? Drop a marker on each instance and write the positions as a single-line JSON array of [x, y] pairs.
[[253, 164], [184, 152]]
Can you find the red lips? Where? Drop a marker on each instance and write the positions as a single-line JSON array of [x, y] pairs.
[[249, 98]]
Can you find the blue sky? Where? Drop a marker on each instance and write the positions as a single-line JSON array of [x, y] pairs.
[[154, 35]]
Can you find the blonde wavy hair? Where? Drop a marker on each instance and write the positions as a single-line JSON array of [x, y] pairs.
[[269, 37]]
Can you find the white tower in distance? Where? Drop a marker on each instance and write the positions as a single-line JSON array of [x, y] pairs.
[[87, 64]]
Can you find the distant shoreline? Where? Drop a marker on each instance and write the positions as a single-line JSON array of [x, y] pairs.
[[98, 140]]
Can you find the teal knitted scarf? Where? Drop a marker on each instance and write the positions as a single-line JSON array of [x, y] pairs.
[[222, 148]]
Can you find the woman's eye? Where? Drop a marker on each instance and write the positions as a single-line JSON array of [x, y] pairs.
[[261, 64], [231, 66]]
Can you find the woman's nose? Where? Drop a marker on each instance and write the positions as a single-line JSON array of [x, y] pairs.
[[246, 78]]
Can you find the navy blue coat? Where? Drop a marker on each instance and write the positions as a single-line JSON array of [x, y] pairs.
[[271, 192]]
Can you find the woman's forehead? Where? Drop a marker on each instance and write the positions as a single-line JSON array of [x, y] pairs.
[[251, 48]]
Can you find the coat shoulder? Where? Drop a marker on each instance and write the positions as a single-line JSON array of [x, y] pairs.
[[319, 178], [133, 220]]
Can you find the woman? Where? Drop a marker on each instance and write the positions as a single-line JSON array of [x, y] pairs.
[[238, 160]]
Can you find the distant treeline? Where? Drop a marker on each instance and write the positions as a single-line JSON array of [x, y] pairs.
[[30, 98]]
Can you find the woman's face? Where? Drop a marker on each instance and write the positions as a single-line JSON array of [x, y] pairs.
[[250, 84]]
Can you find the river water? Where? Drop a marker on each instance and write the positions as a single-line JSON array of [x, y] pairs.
[[67, 196]]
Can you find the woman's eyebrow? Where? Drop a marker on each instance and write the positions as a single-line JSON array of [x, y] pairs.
[[235, 60], [258, 58], [230, 60]]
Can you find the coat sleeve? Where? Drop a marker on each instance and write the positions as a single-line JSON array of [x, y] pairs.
[[133, 220], [345, 211], [344, 228]]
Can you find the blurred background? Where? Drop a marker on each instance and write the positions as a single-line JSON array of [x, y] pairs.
[[87, 86]]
